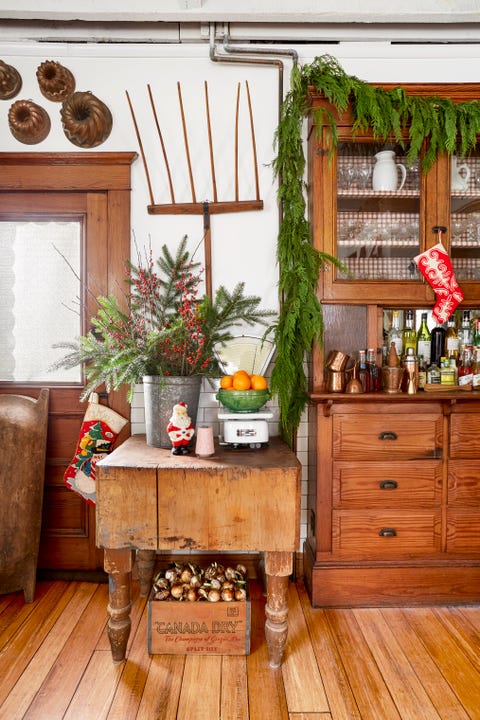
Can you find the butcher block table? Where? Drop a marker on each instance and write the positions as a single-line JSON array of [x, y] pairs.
[[235, 500]]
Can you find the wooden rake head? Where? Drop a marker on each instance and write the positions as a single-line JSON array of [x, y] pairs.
[[194, 207]]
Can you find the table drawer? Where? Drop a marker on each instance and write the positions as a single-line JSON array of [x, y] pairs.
[[413, 483], [464, 482], [387, 436], [386, 533], [465, 435], [463, 531]]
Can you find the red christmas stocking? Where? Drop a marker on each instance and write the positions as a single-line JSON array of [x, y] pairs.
[[436, 267], [99, 431]]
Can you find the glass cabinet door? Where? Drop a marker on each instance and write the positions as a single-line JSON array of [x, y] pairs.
[[378, 213], [465, 217]]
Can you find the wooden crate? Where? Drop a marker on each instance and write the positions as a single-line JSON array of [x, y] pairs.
[[204, 628]]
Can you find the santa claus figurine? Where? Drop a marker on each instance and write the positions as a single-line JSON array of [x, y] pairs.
[[180, 429]]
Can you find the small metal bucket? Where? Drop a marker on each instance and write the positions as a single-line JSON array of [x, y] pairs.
[[335, 381]]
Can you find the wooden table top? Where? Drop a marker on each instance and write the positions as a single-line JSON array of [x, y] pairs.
[[135, 453]]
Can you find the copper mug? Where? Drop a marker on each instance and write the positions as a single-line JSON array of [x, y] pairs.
[[337, 361]]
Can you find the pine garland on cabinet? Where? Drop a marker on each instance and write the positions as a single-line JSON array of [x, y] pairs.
[[434, 125]]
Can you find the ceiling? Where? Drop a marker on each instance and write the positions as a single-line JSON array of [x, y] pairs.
[[256, 11]]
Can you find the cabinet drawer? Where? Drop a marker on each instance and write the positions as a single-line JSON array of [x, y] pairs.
[[463, 482], [389, 436], [465, 435], [463, 531], [386, 533], [411, 483]]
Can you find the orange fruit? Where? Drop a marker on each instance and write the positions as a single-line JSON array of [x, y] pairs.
[[258, 382], [226, 382], [241, 380]]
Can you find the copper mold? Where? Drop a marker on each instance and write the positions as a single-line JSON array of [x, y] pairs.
[[56, 82], [29, 123], [87, 121], [10, 81]]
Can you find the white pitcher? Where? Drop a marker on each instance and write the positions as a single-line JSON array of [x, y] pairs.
[[385, 172], [460, 175]]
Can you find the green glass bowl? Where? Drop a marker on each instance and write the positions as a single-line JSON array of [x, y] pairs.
[[243, 401]]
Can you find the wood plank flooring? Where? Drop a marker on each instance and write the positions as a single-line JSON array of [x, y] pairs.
[[352, 664]]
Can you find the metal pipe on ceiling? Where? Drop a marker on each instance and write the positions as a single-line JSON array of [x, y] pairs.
[[253, 55]]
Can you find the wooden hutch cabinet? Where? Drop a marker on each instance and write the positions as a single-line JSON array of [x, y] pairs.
[[394, 487]]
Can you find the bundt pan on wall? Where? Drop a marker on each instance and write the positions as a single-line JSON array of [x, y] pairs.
[[56, 82], [87, 121], [10, 81], [29, 123]]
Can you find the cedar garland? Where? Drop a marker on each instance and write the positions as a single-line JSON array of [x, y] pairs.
[[437, 124]]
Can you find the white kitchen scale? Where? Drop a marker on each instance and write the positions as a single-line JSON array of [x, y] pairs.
[[245, 429]]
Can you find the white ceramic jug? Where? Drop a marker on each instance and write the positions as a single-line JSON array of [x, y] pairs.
[[460, 175], [385, 172]]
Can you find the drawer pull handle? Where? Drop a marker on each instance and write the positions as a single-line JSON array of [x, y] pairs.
[[388, 532], [387, 435], [388, 485]]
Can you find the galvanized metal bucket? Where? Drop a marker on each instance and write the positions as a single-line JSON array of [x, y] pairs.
[[160, 395]]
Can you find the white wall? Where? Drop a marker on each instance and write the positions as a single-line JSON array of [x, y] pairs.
[[244, 244]]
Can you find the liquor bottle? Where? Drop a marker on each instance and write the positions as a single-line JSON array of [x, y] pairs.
[[424, 341], [476, 369], [422, 373], [437, 344], [454, 369], [373, 371], [465, 372], [433, 374], [384, 354], [451, 339], [465, 335], [447, 373], [409, 336], [476, 334], [395, 334], [363, 374]]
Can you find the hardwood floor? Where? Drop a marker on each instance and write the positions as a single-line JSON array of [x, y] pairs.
[[368, 664]]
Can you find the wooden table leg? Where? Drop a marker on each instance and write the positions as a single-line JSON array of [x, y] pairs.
[[278, 568], [118, 565], [146, 566]]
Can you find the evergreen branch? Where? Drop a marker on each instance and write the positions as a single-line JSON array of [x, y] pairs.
[[165, 329], [432, 125]]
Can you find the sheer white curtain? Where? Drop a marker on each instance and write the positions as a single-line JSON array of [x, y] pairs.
[[40, 268]]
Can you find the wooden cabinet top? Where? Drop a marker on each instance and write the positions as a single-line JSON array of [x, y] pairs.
[[397, 399]]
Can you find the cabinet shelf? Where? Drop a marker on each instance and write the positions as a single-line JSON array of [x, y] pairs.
[[372, 242], [378, 194]]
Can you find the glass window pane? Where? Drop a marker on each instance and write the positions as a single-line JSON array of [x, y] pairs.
[[39, 298], [465, 221], [378, 231]]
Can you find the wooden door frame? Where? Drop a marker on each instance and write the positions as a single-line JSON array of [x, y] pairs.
[[102, 176], [106, 172]]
